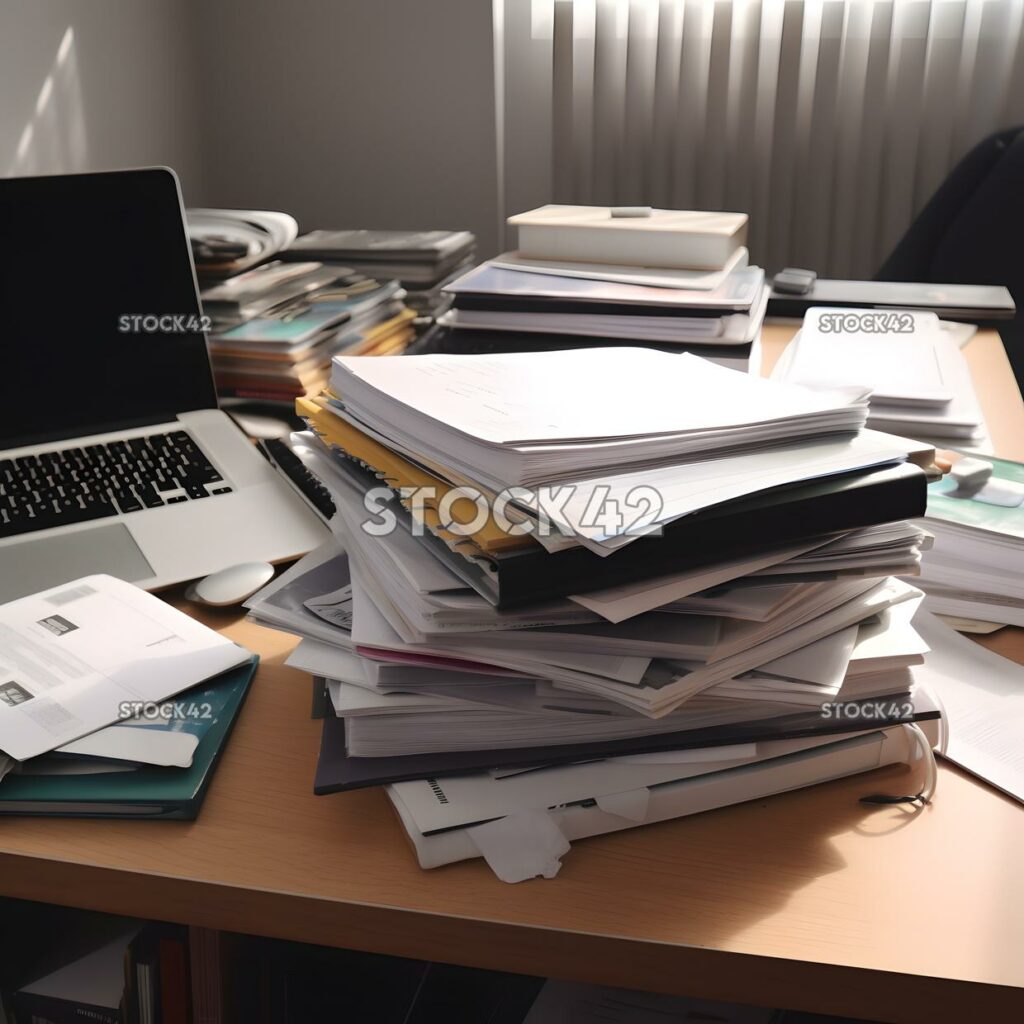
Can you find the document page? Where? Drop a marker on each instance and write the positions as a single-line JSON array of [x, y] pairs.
[[77, 657], [983, 695]]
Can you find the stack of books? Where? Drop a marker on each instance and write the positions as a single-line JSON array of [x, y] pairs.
[[576, 591], [695, 295], [423, 261], [275, 326]]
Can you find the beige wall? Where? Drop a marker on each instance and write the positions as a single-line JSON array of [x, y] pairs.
[[352, 113], [96, 84], [346, 113]]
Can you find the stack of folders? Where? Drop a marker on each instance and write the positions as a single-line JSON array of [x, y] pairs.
[[698, 295], [274, 327], [423, 261], [660, 586], [919, 379], [976, 516], [71, 744]]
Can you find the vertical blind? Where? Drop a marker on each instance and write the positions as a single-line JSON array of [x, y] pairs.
[[830, 122]]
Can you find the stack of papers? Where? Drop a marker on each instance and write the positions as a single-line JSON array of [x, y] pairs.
[[976, 516], [86, 726], [513, 304], [276, 327], [919, 380], [423, 261], [486, 610], [527, 418]]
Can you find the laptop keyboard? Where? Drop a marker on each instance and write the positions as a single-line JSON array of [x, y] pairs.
[[38, 492]]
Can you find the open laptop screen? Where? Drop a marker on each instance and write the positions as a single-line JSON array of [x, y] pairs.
[[94, 269]]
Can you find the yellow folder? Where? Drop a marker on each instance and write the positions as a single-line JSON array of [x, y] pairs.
[[398, 472]]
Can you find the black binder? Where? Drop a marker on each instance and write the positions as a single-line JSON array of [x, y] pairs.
[[782, 515], [730, 530]]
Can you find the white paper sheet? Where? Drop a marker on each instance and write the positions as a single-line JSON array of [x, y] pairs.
[[71, 656], [521, 846], [983, 695], [616, 604], [823, 662], [139, 745]]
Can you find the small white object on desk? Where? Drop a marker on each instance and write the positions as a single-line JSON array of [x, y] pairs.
[[232, 585]]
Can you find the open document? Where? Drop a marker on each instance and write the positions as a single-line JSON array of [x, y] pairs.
[[983, 701], [84, 655]]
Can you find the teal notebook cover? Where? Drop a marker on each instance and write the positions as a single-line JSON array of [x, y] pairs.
[[148, 791]]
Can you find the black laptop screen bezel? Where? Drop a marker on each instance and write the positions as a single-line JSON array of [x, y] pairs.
[[159, 186]]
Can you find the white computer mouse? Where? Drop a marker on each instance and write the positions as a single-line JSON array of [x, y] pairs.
[[231, 585]]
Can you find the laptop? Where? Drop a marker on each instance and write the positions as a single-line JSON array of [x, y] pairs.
[[114, 456]]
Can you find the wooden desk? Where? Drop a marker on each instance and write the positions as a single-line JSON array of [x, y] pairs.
[[808, 900]]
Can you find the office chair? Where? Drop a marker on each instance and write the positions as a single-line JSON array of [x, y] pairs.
[[972, 231]]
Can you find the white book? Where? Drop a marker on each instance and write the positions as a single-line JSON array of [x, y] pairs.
[[680, 239]]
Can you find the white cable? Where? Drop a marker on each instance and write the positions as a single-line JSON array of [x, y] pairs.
[[931, 771]]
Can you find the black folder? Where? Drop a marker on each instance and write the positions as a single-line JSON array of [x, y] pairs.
[[531, 574], [732, 529], [480, 341]]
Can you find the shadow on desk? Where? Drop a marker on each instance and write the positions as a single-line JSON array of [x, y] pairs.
[[755, 858]]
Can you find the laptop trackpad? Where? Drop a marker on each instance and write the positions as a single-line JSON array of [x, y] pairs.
[[35, 565]]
